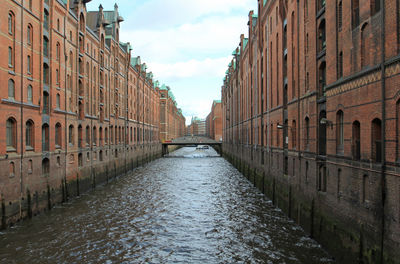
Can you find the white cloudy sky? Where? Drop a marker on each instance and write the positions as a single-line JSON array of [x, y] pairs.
[[187, 44]]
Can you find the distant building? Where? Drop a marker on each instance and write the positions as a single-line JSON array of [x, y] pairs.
[[172, 122], [214, 121], [197, 127]]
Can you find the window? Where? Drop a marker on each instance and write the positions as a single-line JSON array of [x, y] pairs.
[[58, 51], [94, 136], [46, 20], [29, 35], [356, 144], [45, 138], [12, 169], [11, 89], [376, 136], [87, 135], [356, 13], [46, 76], [29, 135], [71, 59], [340, 65], [57, 77], [294, 134], [11, 134], [30, 5], [321, 36], [106, 135], [45, 46], [80, 136], [10, 57], [28, 64], [58, 25], [322, 78], [71, 134], [46, 105], [364, 45], [30, 94], [11, 23], [58, 135], [339, 132], [80, 160], [46, 167], [58, 101]]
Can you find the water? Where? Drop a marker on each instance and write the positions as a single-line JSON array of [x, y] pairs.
[[182, 209]]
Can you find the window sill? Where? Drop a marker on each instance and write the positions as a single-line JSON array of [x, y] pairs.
[[11, 149], [29, 148]]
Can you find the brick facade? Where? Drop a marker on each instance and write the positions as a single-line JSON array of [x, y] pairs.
[[214, 122], [76, 108], [311, 113]]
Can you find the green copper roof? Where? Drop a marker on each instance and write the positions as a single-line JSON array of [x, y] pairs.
[[163, 87], [245, 41], [135, 61]]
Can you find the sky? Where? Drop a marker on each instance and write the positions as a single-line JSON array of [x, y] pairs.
[[187, 44]]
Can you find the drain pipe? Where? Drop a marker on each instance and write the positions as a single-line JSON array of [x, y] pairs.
[[383, 128]]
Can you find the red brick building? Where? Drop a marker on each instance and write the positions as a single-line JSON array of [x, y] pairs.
[[172, 121], [214, 121], [77, 108], [311, 112]]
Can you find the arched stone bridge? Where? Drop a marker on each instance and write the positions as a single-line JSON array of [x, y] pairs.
[[192, 141]]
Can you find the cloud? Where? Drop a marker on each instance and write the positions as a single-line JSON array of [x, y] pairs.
[[188, 69], [209, 37]]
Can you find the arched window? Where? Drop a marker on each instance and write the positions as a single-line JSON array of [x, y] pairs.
[[87, 135], [46, 167], [29, 135], [45, 138], [364, 45], [80, 136], [29, 64], [45, 46], [46, 19], [82, 25], [46, 105], [71, 135], [94, 136], [376, 136], [12, 169], [46, 74], [10, 57], [29, 94], [321, 36], [58, 135], [80, 160], [294, 134], [356, 140], [11, 134], [106, 135], [11, 23], [322, 78], [71, 59], [339, 132], [11, 89], [58, 101], [340, 16], [29, 35], [58, 50]]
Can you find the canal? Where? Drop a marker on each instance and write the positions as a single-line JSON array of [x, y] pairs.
[[191, 207]]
